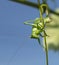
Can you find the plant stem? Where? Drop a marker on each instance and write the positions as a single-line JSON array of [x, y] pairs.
[[41, 16], [46, 50]]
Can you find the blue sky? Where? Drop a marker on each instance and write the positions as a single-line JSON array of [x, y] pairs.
[[16, 48]]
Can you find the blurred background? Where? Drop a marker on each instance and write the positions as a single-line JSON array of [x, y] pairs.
[[16, 48]]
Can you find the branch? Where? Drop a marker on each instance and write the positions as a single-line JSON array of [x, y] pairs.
[[26, 3], [51, 11], [34, 5]]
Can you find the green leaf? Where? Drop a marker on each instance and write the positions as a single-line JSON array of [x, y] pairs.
[[52, 30]]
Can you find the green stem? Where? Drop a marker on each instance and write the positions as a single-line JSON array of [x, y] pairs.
[[41, 16], [46, 50]]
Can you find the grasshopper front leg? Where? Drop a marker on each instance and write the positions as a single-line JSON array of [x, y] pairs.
[[40, 42]]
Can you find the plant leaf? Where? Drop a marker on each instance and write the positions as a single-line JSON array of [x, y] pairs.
[[53, 32]]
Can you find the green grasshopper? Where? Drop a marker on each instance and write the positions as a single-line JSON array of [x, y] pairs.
[[37, 26]]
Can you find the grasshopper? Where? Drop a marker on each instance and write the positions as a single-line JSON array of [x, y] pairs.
[[37, 26]]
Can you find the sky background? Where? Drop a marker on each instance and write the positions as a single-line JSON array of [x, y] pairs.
[[16, 48]]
